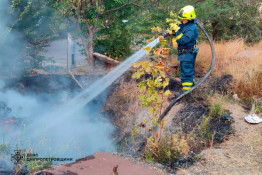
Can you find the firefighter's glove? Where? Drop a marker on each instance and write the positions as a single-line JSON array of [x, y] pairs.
[[165, 34]]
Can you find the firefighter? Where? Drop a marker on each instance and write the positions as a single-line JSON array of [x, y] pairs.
[[186, 38]]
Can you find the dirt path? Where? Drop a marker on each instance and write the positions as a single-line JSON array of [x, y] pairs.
[[241, 154]]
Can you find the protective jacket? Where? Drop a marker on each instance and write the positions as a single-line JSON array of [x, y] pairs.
[[187, 39]]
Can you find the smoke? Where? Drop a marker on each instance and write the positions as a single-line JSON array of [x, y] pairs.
[[10, 44], [82, 133], [45, 123], [58, 125]]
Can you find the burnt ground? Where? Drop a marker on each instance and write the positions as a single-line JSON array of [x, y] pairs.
[[49, 83], [187, 117], [240, 154]]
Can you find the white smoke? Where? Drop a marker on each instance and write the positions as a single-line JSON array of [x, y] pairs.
[[58, 125], [25, 117], [10, 44], [80, 134]]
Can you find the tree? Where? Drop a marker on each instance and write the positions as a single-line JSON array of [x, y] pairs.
[[90, 16], [31, 25], [230, 19]]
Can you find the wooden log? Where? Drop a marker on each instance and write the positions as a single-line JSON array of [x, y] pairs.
[[105, 59]]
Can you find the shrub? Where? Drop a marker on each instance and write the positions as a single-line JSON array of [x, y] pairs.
[[38, 165], [216, 108], [168, 149]]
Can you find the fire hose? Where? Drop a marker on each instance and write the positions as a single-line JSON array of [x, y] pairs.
[[193, 88]]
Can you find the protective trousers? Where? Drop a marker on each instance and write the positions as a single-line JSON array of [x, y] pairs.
[[187, 74]]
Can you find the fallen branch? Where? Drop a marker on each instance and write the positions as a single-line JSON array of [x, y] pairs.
[[105, 59], [77, 82]]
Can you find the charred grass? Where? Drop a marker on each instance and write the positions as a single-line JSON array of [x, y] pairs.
[[196, 126]]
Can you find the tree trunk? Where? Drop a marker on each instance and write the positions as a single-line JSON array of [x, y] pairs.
[[214, 27], [88, 46]]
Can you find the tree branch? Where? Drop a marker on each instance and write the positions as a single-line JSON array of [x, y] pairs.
[[118, 8], [137, 5], [77, 82]]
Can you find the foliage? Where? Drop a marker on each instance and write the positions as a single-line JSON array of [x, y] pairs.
[[153, 87], [153, 82], [205, 127], [101, 22], [168, 150], [216, 109], [33, 22], [256, 106], [114, 41], [38, 165], [96, 16], [224, 19], [230, 19], [248, 24]]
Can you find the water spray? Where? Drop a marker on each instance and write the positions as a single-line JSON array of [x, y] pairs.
[[96, 88]]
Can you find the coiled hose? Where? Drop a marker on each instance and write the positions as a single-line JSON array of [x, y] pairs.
[[193, 88]]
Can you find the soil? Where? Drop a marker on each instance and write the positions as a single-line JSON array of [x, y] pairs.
[[185, 116], [240, 154]]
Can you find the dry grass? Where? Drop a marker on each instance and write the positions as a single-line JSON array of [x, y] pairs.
[[250, 87], [168, 149], [243, 62]]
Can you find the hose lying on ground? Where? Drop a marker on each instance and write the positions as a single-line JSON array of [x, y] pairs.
[[193, 88]]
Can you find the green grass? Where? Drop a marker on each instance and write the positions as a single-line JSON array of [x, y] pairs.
[[216, 109], [38, 165], [256, 107], [204, 131]]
